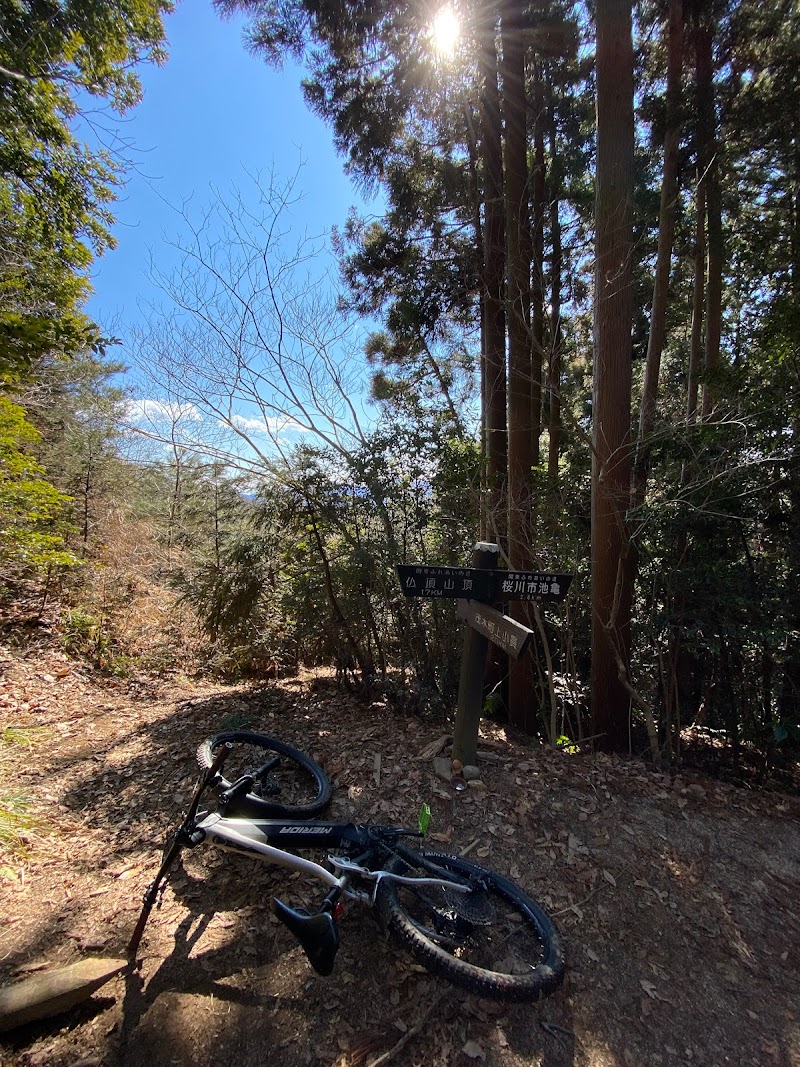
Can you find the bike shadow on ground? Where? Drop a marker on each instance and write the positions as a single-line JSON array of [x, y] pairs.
[[201, 1001], [152, 1012], [183, 972], [267, 990]]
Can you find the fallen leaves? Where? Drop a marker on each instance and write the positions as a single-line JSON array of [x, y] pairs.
[[591, 838], [473, 1050]]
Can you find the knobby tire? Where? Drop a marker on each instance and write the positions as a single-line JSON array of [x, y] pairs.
[[253, 805], [474, 949]]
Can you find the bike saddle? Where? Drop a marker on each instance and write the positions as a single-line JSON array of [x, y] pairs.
[[317, 934]]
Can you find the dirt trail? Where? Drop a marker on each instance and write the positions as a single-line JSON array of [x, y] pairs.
[[679, 899]]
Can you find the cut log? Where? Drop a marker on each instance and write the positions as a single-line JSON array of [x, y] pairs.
[[55, 991], [435, 747]]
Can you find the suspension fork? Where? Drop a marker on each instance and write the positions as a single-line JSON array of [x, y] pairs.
[[186, 836]]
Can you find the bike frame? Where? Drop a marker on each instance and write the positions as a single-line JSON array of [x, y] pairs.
[[255, 837], [263, 838], [260, 837]]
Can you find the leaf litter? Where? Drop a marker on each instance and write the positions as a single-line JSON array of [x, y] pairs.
[[677, 895]]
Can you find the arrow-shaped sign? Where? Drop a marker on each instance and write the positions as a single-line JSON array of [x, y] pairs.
[[446, 582]]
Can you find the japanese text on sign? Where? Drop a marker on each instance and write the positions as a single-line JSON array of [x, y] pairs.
[[501, 630], [445, 582], [484, 585], [516, 585], [495, 632]]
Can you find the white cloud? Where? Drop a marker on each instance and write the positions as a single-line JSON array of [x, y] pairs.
[[265, 427], [255, 426], [154, 411]]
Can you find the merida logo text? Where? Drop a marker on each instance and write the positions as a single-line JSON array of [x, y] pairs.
[[303, 830]]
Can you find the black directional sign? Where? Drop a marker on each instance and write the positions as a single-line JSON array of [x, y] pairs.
[[531, 585], [470, 583], [446, 582]]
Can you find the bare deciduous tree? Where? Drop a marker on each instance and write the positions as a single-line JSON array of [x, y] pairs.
[[253, 342]]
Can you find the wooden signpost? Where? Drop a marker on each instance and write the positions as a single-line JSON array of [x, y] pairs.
[[475, 588]]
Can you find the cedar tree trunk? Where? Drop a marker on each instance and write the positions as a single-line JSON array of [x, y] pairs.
[[611, 407]]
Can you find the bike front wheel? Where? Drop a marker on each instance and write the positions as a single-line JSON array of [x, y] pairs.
[[492, 940], [287, 784]]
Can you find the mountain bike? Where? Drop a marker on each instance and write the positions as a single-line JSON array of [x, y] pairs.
[[460, 920]]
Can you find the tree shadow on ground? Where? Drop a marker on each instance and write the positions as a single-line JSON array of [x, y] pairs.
[[73, 1020], [678, 901]]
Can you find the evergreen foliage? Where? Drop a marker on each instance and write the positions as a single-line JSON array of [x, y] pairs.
[[33, 513], [55, 196], [287, 557], [55, 192]]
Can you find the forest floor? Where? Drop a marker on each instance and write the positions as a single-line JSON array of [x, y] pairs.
[[678, 896]]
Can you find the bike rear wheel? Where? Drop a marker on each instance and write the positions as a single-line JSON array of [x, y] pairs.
[[494, 941], [288, 784]]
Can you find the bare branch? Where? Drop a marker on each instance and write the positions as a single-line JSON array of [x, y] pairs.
[[255, 340]]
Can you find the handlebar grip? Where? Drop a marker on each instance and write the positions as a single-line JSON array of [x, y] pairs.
[[239, 788]]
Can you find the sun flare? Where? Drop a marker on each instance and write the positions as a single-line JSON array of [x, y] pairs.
[[445, 31]]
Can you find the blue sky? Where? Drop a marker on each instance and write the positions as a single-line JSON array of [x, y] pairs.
[[209, 116], [211, 119]]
